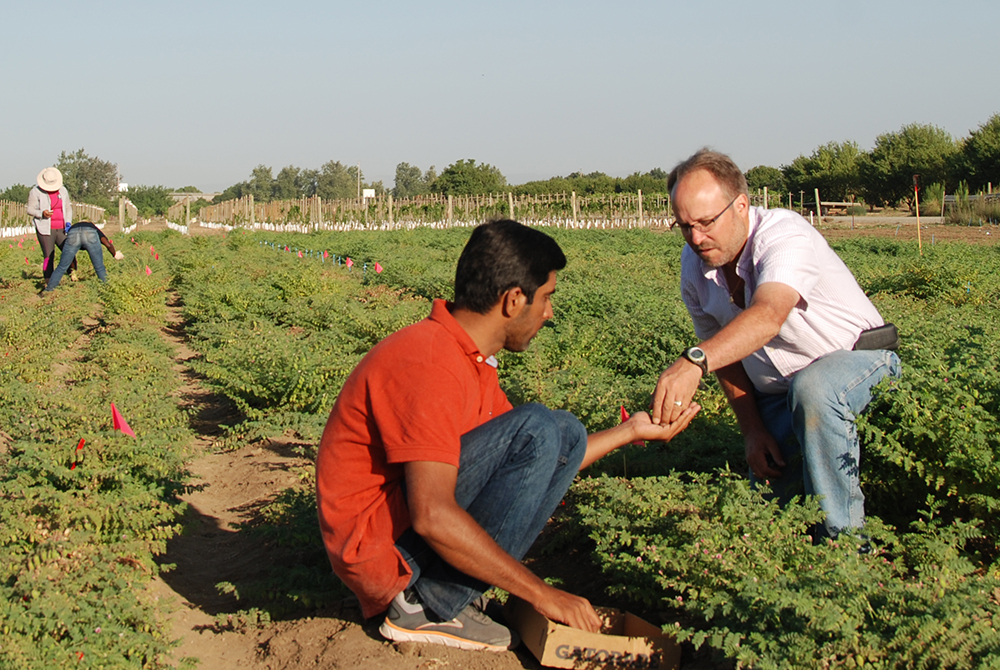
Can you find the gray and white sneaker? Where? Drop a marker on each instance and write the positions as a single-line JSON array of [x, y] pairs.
[[408, 621]]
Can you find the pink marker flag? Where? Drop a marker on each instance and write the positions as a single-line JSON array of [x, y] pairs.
[[148, 271], [157, 256], [325, 255], [349, 262], [26, 261], [19, 245], [119, 422], [378, 268], [624, 419], [300, 254], [151, 249]]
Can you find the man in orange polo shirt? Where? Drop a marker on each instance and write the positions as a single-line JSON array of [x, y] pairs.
[[430, 486]]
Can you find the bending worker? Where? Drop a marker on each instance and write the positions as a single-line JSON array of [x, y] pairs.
[[780, 319], [87, 236]]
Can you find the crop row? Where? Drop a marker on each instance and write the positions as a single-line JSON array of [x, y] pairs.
[[84, 508]]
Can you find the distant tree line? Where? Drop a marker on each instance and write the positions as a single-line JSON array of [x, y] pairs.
[[466, 177], [884, 176], [840, 170], [332, 181]]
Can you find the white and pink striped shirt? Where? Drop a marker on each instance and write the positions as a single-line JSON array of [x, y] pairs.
[[782, 247]]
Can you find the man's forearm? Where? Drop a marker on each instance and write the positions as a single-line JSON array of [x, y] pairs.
[[757, 325], [456, 537]]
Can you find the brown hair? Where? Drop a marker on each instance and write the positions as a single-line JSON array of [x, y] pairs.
[[718, 165]]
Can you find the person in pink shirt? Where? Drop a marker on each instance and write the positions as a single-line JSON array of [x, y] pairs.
[[792, 338], [52, 213]]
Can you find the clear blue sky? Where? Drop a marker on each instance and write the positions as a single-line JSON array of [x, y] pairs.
[[201, 92]]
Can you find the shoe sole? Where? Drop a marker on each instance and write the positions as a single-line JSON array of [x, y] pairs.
[[397, 634]]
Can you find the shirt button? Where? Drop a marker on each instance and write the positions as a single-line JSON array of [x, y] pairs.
[[479, 359]]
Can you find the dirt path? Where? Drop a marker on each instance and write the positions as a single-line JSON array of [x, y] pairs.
[[225, 489]]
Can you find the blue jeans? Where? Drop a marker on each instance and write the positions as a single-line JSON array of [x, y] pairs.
[[813, 424], [512, 474], [77, 238]]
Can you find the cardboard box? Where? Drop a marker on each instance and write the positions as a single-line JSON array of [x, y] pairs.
[[625, 641]]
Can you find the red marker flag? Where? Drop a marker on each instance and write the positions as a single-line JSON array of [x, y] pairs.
[[325, 255], [300, 253], [151, 249], [148, 271], [119, 422], [378, 268], [20, 245], [157, 256], [349, 262], [26, 261], [624, 419], [77, 456]]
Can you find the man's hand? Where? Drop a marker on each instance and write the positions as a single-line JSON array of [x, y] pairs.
[[119, 255], [569, 609], [644, 428], [674, 391], [760, 445]]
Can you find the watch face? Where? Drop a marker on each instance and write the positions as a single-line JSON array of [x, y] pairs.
[[696, 355]]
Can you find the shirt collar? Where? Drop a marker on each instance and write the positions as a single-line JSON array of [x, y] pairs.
[[441, 313], [744, 267]]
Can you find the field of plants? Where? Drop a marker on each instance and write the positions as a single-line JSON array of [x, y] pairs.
[[279, 321]]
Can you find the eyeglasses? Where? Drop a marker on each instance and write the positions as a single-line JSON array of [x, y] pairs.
[[703, 227]]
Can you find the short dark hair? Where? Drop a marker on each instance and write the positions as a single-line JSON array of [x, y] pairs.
[[501, 255], [719, 165]]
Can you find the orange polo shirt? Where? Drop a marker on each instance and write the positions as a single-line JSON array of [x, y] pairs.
[[411, 398]]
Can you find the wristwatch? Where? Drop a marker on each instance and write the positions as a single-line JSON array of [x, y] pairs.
[[698, 357]]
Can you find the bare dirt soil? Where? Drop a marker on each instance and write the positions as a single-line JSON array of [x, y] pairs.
[[227, 487]]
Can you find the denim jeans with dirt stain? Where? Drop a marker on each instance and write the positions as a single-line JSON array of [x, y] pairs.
[[813, 424], [513, 472]]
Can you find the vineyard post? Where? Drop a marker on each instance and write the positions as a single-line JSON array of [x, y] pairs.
[[449, 210], [510, 204], [390, 209], [916, 203], [819, 207], [765, 197], [640, 206], [253, 217], [573, 200]]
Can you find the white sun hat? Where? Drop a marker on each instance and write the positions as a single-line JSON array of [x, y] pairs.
[[50, 179]]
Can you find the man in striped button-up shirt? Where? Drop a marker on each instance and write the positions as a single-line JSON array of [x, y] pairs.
[[778, 315]]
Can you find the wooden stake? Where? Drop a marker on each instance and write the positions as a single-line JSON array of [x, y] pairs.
[[916, 203]]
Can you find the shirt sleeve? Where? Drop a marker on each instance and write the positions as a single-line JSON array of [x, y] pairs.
[[34, 207], [418, 412], [705, 325], [791, 260]]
